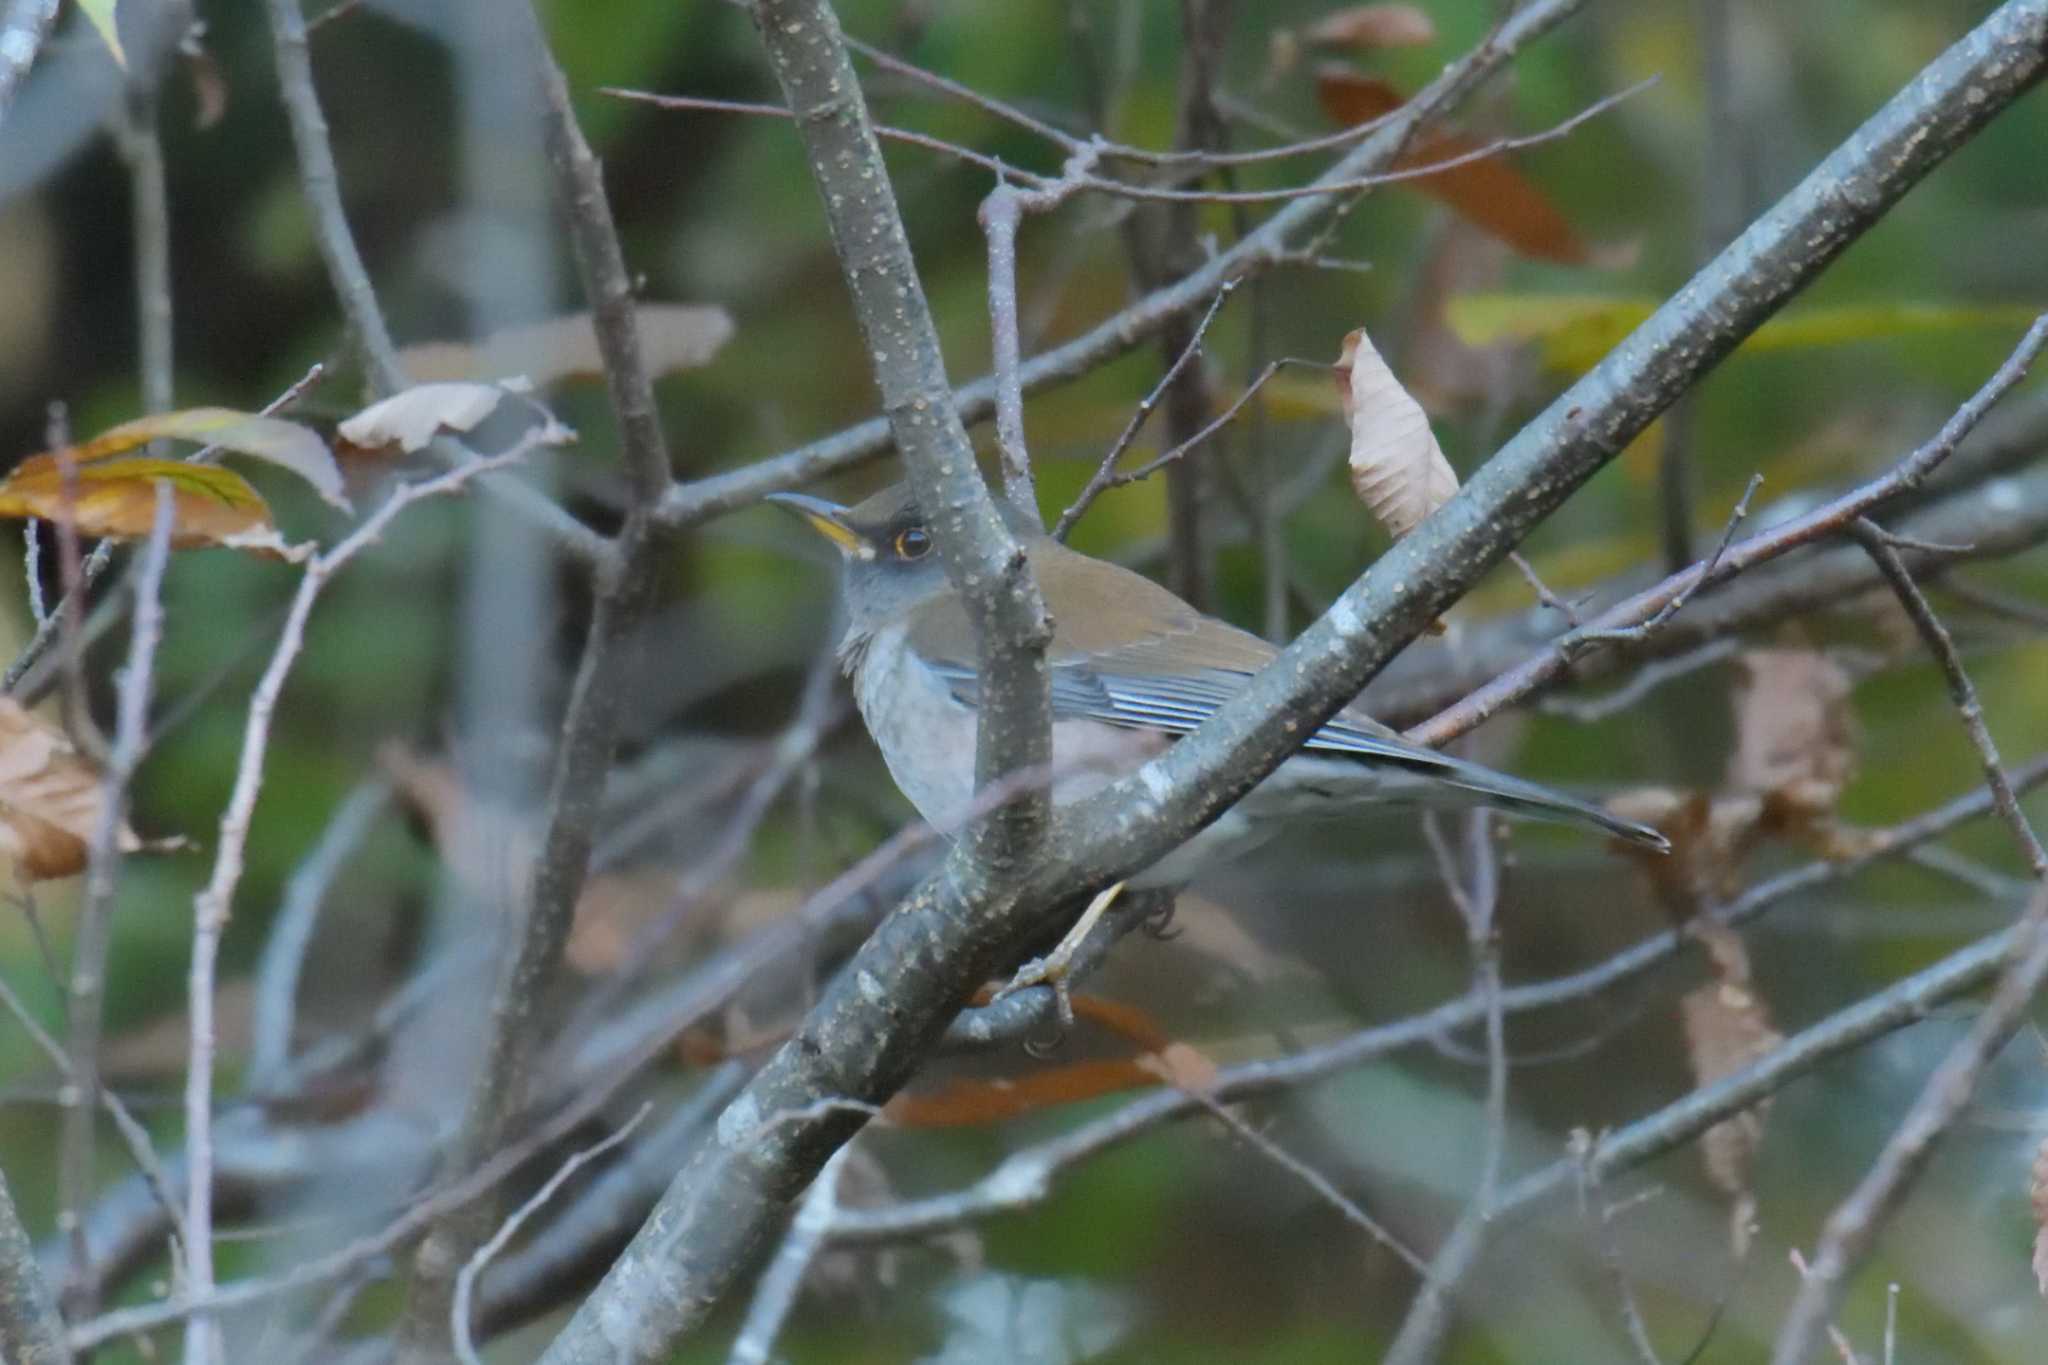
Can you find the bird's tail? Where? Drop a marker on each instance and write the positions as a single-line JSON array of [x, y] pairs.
[[1408, 773], [1517, 796]]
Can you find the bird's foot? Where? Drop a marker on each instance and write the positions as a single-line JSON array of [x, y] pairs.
[[1053, 969]]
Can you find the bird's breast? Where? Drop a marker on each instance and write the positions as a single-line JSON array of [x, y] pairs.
[[927, 735]]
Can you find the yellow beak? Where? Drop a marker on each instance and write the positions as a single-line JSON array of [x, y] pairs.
[[826, 519]]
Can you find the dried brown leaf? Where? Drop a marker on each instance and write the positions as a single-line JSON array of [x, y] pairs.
[[50, 799], [1182, 1066], [964, 1103], [1710, 836], [412, 417], [1397, 467], [673, 336], [1727, 1026], [1794, 732], [1489, 193], [1373, 26]]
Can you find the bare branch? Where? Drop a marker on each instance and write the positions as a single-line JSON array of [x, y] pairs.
[[465, 1282], [1625, 622], [689, 503], [210, 908], [23, 29], [784, 1277], [94, 932], [351, 281], [589, 727], [291, 932], [1936, 637], [1854, 1225]]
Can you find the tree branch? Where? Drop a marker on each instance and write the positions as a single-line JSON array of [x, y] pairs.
[[1271, 245], [583, 759], [31, 1333]]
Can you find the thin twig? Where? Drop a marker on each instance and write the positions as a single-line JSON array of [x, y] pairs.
[[291, 932], [1105, 481], [1853, 1226], [1960, 691], [465, 1282], [775, 1295], [1618, 621], [210, 908], [499, 1093], [1099, 482], [1325, 1189], [94, 930], [1578, 641]]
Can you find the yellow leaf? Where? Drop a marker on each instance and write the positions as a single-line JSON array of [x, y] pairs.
[[100, 14], [282, 443], [117, 497]]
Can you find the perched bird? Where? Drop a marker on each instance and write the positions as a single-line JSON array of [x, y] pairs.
[[1133, 667]]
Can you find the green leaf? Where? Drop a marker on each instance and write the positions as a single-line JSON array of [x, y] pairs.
[[100, 14]]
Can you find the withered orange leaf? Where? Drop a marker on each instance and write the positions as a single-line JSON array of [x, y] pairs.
[[50, 799], [963, 1103], [117, 497], [1489, 193]]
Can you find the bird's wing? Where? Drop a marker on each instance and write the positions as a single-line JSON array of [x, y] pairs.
[[1171, 676], [1183, 666]]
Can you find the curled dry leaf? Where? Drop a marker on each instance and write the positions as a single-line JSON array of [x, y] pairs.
[[210, 505], [412, 417], [272, 439], [1795, 742], [1727, 1026], [1490, 193], [1373, 26], [1792, 722], [50, 799], [1396, 465], [673, 336]]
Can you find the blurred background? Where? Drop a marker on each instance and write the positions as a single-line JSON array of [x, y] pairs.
[[438, 666]]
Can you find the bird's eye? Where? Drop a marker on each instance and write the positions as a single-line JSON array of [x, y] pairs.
[[913, 543]]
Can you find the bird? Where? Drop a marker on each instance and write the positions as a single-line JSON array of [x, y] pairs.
[[1133, 667]]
